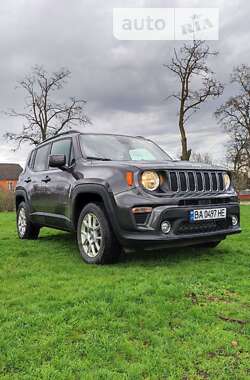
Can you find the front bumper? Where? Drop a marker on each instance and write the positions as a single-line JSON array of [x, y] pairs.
[[183, 233]]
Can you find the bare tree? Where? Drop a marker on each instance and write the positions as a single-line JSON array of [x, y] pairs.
[[234, 116], [204, 158], [238, 151], [189, 64], [43, 116]]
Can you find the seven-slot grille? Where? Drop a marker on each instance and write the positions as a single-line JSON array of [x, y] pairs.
[[184, 180]]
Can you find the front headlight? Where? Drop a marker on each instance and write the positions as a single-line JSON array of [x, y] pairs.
[[227, 181], [150, 180]]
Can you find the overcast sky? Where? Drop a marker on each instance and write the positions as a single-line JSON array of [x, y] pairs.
[[124, 82]]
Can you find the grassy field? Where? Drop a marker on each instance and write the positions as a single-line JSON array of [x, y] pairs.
[[181, 314]]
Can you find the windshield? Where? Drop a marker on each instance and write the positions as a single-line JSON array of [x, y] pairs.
[[121, 148]]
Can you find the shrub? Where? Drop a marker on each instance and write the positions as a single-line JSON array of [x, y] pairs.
[[7, 201]]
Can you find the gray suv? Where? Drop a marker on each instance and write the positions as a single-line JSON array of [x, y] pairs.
[[120, 191]]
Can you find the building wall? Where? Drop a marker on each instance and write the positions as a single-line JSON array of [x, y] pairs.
[[7, 185], [245, 197]]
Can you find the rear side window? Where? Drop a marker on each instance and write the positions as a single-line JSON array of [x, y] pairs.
[[41, 160], [31, 159], [62, 147]]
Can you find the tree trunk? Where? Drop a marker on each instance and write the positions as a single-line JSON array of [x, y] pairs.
[[44, 134], [185, 153]]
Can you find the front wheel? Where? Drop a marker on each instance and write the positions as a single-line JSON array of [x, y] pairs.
[[96, 240], [25, 228]]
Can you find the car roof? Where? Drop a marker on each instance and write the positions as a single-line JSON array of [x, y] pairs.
[[111, 134]]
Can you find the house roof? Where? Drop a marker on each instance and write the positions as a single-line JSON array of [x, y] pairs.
[[10, 171]]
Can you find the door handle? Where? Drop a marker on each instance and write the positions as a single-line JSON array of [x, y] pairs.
[[46, 179], [27, 180]]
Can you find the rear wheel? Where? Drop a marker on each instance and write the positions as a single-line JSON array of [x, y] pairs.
[[96, 240], [25, 228]]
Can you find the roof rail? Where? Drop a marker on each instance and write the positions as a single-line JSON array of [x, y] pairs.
[[141, 137], [60, 134]]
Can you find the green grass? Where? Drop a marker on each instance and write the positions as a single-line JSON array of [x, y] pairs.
[[155, 315]]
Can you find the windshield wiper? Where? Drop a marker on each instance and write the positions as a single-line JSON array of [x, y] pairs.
[[98, 158]]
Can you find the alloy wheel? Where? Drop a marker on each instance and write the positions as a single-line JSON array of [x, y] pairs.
[[91, 235], [22, 222]]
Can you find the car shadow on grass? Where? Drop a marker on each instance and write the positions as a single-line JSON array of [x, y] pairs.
[[152, 257], [58, 236], [171, 255]]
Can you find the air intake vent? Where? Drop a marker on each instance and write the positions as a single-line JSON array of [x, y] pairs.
[[207, 182], [141, 218], [191, 181], [199, 182], [183, 181], [214, 181], [186, 228], [173, 179]]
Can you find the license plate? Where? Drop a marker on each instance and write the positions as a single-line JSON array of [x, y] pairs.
[[207, 214]]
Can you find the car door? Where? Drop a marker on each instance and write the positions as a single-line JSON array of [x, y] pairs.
[[38, 196], [59, 185], [27, 177]]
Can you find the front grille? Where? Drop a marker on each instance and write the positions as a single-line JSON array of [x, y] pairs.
[[183, 181], [186, 228]]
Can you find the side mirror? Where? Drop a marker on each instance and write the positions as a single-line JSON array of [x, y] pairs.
[[57, 161]]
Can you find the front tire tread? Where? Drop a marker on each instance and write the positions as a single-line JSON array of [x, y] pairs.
[[32, 230]]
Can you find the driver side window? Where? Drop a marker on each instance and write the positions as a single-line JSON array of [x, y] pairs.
[[41, 158]]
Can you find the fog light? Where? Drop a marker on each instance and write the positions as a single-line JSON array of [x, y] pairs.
[[166, 227], [234, 220]]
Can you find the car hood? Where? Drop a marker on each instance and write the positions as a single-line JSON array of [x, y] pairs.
[[178, 165]]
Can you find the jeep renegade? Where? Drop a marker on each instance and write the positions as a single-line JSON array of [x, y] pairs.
[[120, 191]]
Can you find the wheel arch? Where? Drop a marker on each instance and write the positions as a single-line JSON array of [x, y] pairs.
[[88, 193], [20, 197]]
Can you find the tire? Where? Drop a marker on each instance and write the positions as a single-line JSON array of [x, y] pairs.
[[25, 228], [96, 240]]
